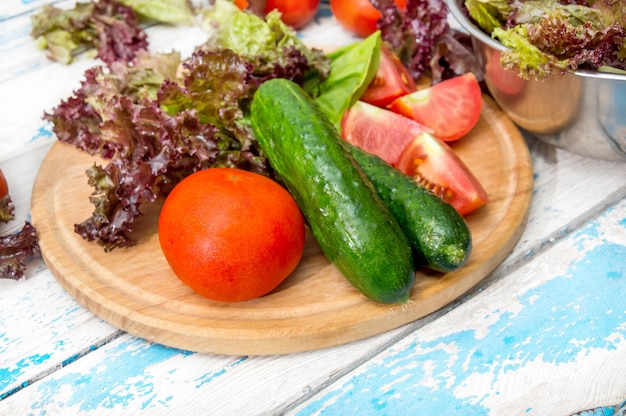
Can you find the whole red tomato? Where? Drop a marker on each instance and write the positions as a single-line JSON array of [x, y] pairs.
[[4, 187], [295, 13], [359, 16], [231, 235]]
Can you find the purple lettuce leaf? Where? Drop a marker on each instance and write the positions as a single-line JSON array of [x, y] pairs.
[[421, 37], [16, 249], [154, 137]]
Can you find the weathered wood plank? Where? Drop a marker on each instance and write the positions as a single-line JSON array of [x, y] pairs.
[[141, 377], [548, 339]]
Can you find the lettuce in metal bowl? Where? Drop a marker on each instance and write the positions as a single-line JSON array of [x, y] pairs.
[[575, 101]]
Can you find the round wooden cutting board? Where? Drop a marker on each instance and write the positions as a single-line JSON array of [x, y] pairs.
[[135, 290]]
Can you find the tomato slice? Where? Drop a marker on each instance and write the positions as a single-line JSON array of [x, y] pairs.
[[359, 16], [451, 108], [379, 131], [433, 164], [392, 80]]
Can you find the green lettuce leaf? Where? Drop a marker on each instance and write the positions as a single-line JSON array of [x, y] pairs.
[[266, 42], [352, 69], [526, 57], [176, 12], [488, 14]]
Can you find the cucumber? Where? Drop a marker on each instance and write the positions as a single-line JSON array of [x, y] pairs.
[[353, 227], [438, 234]]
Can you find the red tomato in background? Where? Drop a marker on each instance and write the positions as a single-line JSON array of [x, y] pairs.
[[358, 16], [4, 187], [450, 108], [392, 80], [379, 131], [231, 235], [504, 80], [434, 164], [295, 13]]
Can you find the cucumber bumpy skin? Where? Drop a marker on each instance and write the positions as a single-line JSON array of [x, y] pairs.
[[353, 227], [438, 234]]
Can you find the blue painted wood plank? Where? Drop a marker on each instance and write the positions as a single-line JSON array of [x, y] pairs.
[[524, 352], [138, 377]]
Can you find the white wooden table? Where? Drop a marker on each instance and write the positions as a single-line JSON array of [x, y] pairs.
[[543, 334]]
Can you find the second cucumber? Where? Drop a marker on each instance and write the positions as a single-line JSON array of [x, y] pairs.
[[352, 225]]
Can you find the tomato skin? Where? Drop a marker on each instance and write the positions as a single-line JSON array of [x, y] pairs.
[[379, 131], [451, 108], [295, 13], [359, 16], [392, 80], [432, 163], [4, 187], [504, 80], [231, 235]]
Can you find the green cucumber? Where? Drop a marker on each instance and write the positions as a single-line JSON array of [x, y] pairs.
[[438, 234], [353, 227]]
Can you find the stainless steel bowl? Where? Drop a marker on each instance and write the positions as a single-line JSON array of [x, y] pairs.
[[583, 112]]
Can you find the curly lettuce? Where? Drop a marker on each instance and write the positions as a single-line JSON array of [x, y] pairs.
[[16, 249], [157, 119], [421, 37], [266, 42], [555, 37]]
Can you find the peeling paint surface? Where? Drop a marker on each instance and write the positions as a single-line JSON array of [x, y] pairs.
[[564, 320]]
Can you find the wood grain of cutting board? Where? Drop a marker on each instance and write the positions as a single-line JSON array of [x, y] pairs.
[[135, 290]]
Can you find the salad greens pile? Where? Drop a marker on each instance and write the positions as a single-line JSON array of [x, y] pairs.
[[156, 118], [555, 37]]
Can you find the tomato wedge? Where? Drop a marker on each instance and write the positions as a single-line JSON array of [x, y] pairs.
[[392, 80], [451, 108], [379, 131], [433, 164]]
